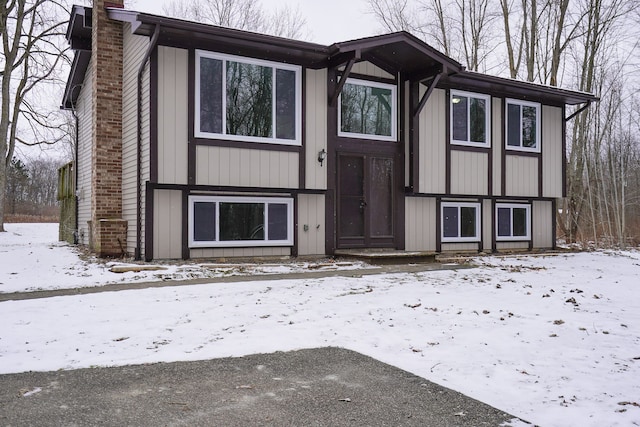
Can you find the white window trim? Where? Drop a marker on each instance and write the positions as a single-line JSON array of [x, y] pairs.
[[521, 103], [274, 65], [487, 127], [241, 243], [394, 112], [513, 238], [459, 205]]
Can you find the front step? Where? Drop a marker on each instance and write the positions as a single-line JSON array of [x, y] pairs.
[[387, 256]]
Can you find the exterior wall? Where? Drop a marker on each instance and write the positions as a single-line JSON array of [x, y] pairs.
[[311, 215], [420, 224], [173, 93], [432, 143], [240, 252], [497, 145], [512, 246], [246, 167], [521, 175], [134, 50], [542, 217], [487, 225], [83, 187], [167, 224], [315, 122], [469, 172], [460, 247], [552, 155], [367, 68]]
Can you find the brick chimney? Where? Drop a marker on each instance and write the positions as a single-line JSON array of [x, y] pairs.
[[108, 231]]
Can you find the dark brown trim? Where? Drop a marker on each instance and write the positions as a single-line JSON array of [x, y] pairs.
[[564, 154], [438, 224], [302, 153], [149, 220], [447, 138], [153, 116], [367, 77], [494, 229], [575, 113], [531, 228], [331, 162], [337, 88], [400, 168], [522, 153], [426, 95], [540, 165], [459, 197], [192, 189], [490, 151], [246, 145], [458, 147], [414, 138], [503, 150], [186, 252], [191, 145], [554, 223], [294, 248]]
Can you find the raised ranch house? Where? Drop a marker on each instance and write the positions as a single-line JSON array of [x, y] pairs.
[[199, 141]]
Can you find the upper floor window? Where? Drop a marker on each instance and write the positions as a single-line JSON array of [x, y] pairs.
[[523, 125], [367, 110], [513, 221], [470, 119], [246, 99]]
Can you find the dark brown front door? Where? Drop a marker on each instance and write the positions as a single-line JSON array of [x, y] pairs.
[[365, 201]]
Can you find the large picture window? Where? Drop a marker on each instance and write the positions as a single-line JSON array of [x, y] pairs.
[[470, 119], [460, 222], [247, 100], [367, 110], [523, 126], [240, 221], [513, 221]]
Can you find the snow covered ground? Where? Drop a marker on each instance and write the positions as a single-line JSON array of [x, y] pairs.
[[552, 339]]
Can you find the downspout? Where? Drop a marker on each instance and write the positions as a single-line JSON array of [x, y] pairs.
[[145, 59]]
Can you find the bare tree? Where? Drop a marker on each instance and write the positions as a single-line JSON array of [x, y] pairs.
[[241, 14], [32, 50]]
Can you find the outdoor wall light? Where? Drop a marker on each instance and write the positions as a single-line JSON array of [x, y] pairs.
[[322, 155]]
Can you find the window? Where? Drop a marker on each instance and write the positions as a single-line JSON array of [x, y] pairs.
[[470, 119], [460, 222], [240, 221], [523, 126], [367, 110], [247, 100], [513, 222]]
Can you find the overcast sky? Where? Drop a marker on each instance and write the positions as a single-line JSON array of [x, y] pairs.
[[328, 21]]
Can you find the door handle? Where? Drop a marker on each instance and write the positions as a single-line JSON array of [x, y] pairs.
[[363, 204]]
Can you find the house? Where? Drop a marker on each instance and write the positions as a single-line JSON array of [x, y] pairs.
[[196, 141]]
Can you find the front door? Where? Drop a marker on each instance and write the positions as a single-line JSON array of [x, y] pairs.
[[365, 201]]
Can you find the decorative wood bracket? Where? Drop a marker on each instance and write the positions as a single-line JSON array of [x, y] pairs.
[[580, 110], [427, 94], [333, 98]]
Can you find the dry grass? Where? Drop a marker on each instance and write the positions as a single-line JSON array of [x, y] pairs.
[[21, 218]]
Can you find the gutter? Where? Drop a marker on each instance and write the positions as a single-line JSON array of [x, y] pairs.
[[145, 60]]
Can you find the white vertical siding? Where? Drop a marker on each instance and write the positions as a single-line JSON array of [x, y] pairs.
[[85, 132], [469, 172], [311, 214], [167, 224], [487, 225], [134, 48], [315, 128], [460, 247], [552, 155], [246, 167], [368, 69], [420, 224], [498, 145], [173, 71], [432, 143], [512, 246], [521, 176], [542, 217]]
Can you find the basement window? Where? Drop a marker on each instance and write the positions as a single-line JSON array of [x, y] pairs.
[[246, 99], [513, 222], [240, 221], [460, 222]]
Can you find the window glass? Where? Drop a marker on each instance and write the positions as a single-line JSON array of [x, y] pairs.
[[210, 95], [249, 99], [519, 222], [504, 222], [204, 219], [278, 221], [513, 128], [468, 221], [478, 120], [449, 221], [367, 110], [241, 221], [528, 126], [460, 119], [285, 104]]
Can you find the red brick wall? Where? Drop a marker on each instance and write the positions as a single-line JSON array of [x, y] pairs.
[[106, 163]]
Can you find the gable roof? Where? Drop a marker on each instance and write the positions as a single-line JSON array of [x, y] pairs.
[[398, 52]]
